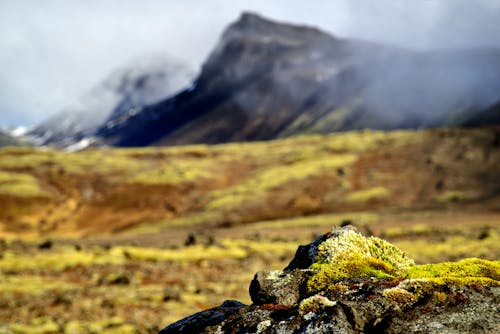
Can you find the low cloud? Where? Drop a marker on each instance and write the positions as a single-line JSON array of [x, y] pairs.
[[54, 51]]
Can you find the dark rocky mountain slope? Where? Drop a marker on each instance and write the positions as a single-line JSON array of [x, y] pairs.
[[267, 80], [486, 117]]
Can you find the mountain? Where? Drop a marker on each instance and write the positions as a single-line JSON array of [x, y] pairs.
[[268, 80], [486, 117], [8, 140], [122, 94]]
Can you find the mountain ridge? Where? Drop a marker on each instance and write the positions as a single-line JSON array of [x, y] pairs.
[[267, 80]]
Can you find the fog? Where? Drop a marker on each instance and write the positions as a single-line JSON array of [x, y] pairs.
[[52, 52]]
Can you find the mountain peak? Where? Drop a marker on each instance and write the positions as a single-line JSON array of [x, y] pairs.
[[266, 79], [254, 25], [248, 17]]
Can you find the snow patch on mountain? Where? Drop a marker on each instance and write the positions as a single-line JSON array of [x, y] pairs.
[[121, 95]]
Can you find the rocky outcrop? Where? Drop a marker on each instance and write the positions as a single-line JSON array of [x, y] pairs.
[[346, 283]]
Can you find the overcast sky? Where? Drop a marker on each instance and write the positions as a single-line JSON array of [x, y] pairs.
[[53, 51]]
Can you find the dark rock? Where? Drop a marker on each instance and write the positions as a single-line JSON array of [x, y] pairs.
[[172, 292], [305, 255], [114, 279], [195, 238], [190, 240], [47, 244], [200, 321], [278, 287]]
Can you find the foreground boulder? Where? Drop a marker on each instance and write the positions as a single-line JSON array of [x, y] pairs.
[[346, 283]]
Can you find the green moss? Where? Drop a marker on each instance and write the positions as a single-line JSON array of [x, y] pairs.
[[359, 141], [256, 185], [20, 185], [358, 218], [463, 272], [375, 193], [65, 257], [454, 247], [112, 326], [455, 196], [440, 288], [335, 121], [192, 253], [413, 230], [302, 121], [32, 285], [276, 248], [206, 218], [38, 326], [350, 255], [175, 172]]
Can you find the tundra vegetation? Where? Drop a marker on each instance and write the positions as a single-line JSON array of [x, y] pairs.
[[128, 240]]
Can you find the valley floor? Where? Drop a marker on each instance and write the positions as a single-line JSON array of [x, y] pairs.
[[139, 283]]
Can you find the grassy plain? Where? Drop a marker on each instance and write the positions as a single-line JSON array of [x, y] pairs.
[[128, 240]]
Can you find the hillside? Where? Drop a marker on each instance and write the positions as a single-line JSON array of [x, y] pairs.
[[267, 80], [48, 192]]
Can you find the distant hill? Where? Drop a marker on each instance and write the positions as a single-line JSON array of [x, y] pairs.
[[486, 117], [268, 80], [122, 94], [8, 140], [49, 192]]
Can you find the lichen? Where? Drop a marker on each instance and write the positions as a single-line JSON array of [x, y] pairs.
[[399, 296], [349, 255], [314, 304], [262, 326]]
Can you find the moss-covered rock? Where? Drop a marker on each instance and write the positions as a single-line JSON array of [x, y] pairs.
[[344, 282], [347, 254]]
